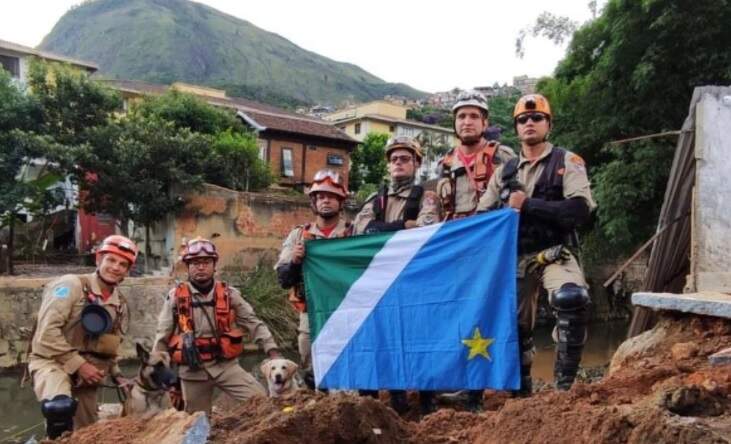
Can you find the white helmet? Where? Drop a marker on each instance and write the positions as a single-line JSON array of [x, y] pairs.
[[470, 98]]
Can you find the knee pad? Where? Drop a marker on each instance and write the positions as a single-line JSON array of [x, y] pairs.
[[570, 297], [59, 413]]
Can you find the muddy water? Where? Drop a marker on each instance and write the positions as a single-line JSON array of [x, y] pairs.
[[20, 412]]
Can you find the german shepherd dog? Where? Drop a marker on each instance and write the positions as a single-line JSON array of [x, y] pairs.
[[149, 394]]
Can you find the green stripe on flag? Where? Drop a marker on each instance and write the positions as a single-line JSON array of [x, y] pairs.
[[330, 269]]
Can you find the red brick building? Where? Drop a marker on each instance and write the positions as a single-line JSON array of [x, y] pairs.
[[295, 146]]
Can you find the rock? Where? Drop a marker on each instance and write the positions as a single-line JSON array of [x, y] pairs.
[[721, 358], [684, 350], [691, 400], [4, 347], [705, 303], [632, 348]]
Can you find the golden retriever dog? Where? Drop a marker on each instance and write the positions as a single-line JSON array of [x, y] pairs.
[[149, 394], [281, 376]]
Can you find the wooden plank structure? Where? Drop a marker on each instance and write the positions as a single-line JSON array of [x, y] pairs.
[[688, 229]]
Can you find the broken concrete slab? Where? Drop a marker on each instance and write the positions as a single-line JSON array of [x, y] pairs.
[[721, 358], [704, 303]]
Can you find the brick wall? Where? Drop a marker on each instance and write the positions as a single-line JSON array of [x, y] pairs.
[[313, 159], [246, 227]]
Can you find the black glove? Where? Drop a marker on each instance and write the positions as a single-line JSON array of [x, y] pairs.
[[190, 352]]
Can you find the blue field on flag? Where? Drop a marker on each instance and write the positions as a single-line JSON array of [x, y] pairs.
[[429, 308]]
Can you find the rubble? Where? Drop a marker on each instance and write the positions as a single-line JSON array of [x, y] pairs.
[[661, 389]]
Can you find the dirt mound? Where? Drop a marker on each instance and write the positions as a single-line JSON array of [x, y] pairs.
[[310, 418], [661, 389]]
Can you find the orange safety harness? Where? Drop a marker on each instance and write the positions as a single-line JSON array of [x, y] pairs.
[[228, 342]]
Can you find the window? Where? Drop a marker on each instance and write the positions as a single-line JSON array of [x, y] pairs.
[[357, 128], [335, 159], [262, 149], [392, 128], [287, 163], [11, 64], [312, 147]]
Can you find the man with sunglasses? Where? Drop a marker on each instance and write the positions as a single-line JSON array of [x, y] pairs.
[[398, 205], [466, 169], [548, 185], [80, 325], [202, 324], [327, 196]]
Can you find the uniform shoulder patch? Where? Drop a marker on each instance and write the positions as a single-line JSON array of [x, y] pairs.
[[576, 159], [61, 292], [575, 163]]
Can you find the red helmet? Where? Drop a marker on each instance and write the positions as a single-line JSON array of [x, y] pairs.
[[119, 245], [199, 247], [330, 181]]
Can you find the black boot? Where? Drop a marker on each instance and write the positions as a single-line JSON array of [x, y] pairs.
[[426, 402], [526, 382], [571, 302], [474, 401], [399, 402]]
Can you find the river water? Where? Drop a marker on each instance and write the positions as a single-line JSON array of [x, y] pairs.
[[20, 411]]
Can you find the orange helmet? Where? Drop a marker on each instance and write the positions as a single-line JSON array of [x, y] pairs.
[[406, 143], [330, 181], [532, 103], [119, 245], [199, 247]]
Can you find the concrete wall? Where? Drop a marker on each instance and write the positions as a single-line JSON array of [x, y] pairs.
[[21, 298], [710, 257], [249, 226]]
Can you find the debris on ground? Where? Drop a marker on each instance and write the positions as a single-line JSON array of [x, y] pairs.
[[661, 387]]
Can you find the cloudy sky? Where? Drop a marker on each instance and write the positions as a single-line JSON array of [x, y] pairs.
[[432, 46]]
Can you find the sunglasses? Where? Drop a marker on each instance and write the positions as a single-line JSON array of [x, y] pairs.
[[198, 246], [535, 117], [404, 159]]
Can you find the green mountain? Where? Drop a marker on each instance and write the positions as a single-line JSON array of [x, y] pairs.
[[164, 41]]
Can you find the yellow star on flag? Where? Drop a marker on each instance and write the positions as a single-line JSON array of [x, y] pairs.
[[478, 345]]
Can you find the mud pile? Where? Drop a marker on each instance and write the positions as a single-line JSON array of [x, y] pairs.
[[660, 388]]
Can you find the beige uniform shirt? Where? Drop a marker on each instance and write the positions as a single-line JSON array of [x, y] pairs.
[[575, 180], [245, 319], [60, 338], [298, 233], [429, 212], [466, 196]]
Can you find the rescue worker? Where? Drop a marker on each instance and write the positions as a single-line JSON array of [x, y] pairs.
[[80, 326], [548, 185], [465, 170], [202, 325], [401, 204], [327, 195]]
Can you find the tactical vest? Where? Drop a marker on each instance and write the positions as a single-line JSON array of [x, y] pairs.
[[484, 166], [411, 210], [228, 340], [535, 235]]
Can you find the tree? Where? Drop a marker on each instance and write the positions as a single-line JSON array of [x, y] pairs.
[[631, 72], [20, 146], [501, 114], [233, 161], [368, 161]]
